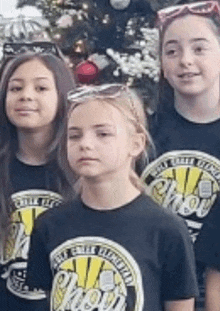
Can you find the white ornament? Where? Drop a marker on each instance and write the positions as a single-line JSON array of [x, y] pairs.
[[140, 64], [116, 73], [120, 4], [65, 21]]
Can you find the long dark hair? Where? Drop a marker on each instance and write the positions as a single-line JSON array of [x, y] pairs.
[[8, 134]]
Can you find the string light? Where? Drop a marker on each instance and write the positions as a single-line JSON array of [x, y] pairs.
[[85, 6], [106, 19]]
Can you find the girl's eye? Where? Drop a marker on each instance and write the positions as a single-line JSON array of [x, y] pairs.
[[74, 136], [171, 52], [199, 49], [15, 88], [104, 134], [41, 88]]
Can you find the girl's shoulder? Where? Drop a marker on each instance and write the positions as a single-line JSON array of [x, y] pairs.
[[166, 118], [59, 214], [156, 216]]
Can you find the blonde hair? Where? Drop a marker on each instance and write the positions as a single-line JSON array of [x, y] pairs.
[[129, 103]]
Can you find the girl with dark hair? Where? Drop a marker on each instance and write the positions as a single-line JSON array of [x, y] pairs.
[[186, 126], [32, 112]]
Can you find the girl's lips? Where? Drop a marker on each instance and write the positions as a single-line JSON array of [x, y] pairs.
[[25, 109], [25, 112], [188, 75], [87, 159]]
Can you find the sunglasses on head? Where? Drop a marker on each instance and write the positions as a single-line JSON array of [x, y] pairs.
[[15, 49], [105, 91], [202, 8], [101, 91]]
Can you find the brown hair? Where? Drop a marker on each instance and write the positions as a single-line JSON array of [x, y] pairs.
[[165, 95], [9, 143]]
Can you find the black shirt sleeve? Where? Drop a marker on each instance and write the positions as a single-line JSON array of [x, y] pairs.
[[207, 246], [179, 275], [38, 272]]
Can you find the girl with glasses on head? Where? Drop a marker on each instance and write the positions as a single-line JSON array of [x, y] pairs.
[[186, 126], [112, 248], [32, 111]]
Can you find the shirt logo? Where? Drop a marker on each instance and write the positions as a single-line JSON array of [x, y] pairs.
[[187, 182], [29, 205], [94, 273]]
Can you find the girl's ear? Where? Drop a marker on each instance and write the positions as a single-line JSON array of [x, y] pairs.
[[138, 142]]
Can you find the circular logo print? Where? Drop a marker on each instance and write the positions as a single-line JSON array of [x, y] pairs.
[[94, 273]]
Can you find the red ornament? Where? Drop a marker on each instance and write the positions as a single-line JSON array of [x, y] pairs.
[[86, 72]]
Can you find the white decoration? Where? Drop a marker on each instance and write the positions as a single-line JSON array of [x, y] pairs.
[[65, 21], [100, 60], [145, 61], [120, 4]]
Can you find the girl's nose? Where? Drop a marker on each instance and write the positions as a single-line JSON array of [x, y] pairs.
[[27, 93], [87, 141], [186, 58]]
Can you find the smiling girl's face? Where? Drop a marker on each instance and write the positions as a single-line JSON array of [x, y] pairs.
[[191, 55], [32, 97]]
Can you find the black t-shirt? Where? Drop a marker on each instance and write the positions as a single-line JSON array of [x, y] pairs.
[[131, 258], [171, 131], [185, 176], [34, 192], [207, 246]]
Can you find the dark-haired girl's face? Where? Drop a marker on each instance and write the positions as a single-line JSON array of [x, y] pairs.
[[32, 97], [191, 55]]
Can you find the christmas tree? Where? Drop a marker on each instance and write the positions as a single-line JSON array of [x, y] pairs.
[[122, 31]]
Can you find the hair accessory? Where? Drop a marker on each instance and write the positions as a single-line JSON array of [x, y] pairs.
[[111, 90], [198, 8], [97, 91], [14, 49]]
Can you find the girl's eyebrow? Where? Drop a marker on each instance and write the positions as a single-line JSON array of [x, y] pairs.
[[103, 125], [21, 79], [171, 42], [95, 126], [199, 39], [191, 40]]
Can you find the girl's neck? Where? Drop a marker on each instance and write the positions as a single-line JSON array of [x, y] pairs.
[[33, 147], [108, 195], [203, 108]]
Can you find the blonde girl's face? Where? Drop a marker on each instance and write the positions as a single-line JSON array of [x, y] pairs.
[[32, 98], [191, 55], [100, 143]]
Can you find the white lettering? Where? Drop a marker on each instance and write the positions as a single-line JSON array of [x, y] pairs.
[[79, 299], [185, 206]]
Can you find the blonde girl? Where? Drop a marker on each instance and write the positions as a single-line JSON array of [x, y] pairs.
[[112, 248]]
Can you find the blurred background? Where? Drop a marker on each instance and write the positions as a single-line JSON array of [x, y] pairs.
[[102, 40]]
